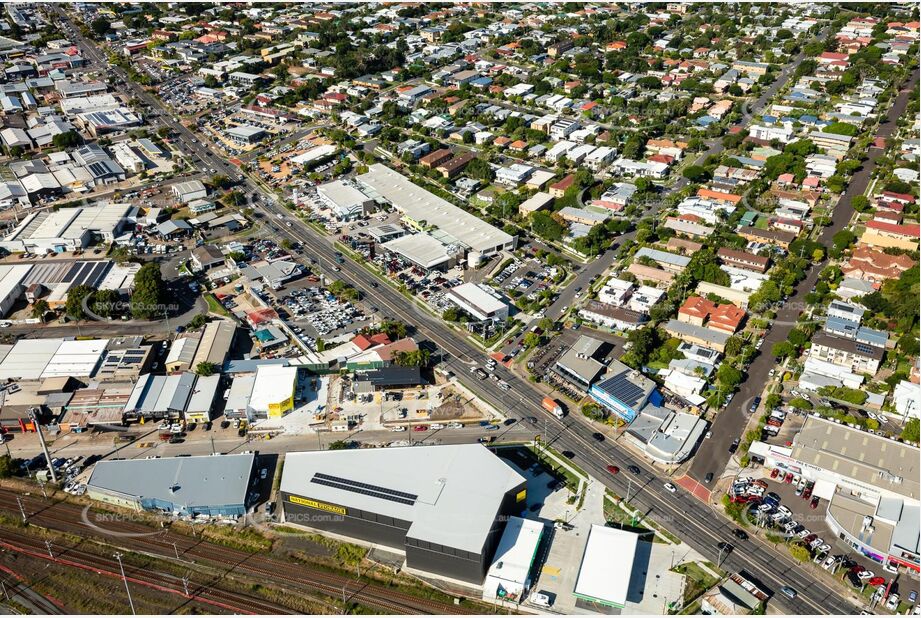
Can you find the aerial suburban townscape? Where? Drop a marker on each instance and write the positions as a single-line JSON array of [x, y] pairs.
[[459, 308]]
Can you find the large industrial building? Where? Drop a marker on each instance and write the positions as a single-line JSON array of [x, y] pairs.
[[215, 486], [67, 229], [35, 359], [445, 507], [871, 483], [422, 208]]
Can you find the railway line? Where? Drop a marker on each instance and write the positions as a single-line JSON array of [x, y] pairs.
[[72, 556], [168, 545]]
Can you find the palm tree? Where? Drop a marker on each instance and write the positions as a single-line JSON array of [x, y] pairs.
[[39, 309]]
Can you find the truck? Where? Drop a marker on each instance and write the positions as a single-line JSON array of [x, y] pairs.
[[553, 406]]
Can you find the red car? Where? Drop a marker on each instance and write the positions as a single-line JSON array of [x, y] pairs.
[[814, 503], [613, 469], [788, 478], [876, 581], [807, 493], [775, 472], [421, 428]]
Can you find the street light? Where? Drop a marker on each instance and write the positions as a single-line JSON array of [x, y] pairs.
[[118, 556]]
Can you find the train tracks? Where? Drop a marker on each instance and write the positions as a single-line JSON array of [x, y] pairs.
[[167, 545]]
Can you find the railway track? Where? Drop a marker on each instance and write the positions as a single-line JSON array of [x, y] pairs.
[[206, 593], [139, 537]]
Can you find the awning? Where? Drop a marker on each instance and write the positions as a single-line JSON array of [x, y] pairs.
[[824, 489]]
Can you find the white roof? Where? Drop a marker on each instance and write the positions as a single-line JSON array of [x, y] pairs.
[[76, 358], [10, 278], [458, 489], [514, 556], [28, 358], [477, 295], [342, 194], [536, 202], [607, 563], [274, 383], [421, 205], [420, 248], [314, 153]]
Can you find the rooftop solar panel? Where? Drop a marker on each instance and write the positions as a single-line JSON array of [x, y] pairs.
[[367, 489]]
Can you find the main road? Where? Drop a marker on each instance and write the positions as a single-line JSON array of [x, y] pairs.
[[696, 523]]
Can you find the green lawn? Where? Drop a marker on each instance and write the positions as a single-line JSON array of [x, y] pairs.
[[216, 307]]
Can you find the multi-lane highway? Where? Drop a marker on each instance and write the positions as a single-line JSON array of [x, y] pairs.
[[698, 524]]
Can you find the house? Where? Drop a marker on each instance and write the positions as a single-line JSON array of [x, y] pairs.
[[206, 257], [558, 189], [743, 259], [618, 318], [772, 237], [832, 143], [891, 235], [703, 312], [699, 335], [875, 266], [853, 355]]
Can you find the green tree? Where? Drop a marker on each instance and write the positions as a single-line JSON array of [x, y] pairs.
[[7, 469], [800, 553], [198, 321], [100, 26], [105, 303], [912, 430], [68, 139], [531, 340], [149, 292], [40, 309], [546, 226], [205, 368], [695, 173], [75, 300]]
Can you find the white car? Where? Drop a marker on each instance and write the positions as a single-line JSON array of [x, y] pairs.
[[892, 603], [540, 599], [455, 425], [670, 488], [436, 426], [398, 428]]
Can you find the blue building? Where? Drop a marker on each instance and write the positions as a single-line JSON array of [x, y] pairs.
[[624, 391], [211, 485]]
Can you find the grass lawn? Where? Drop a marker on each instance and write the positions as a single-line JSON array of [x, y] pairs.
[[216, 307], [698, 580]]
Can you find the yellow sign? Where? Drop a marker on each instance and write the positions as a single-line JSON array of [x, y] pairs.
[[521, 495], [314, 504]]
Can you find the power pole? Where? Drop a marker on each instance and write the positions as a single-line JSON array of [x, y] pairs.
[[118, 556], [175, 549], [50, 553], [22, 510], [41, 440], [185, 585]]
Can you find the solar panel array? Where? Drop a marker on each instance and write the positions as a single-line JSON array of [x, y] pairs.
[[622, 389], [87, 273], [366, 489]]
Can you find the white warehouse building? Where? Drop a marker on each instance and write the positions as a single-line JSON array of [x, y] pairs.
[[67, 229], [479, 301]]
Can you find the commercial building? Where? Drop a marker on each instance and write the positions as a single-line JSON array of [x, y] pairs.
[[607, 566], [160, 397], [344, 199], [452, 225], [67, 229], [214, 486], [273, 391], [664, 435], [624, 391], [424, 251], [11, 285], [509, 575], [871, 483], [190, 191], [479, 301], [34, 359], [245, 135], [444, 507], [579, 363]]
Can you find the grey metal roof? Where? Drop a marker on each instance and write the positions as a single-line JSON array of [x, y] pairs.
[[207, 481], [458, 489]]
